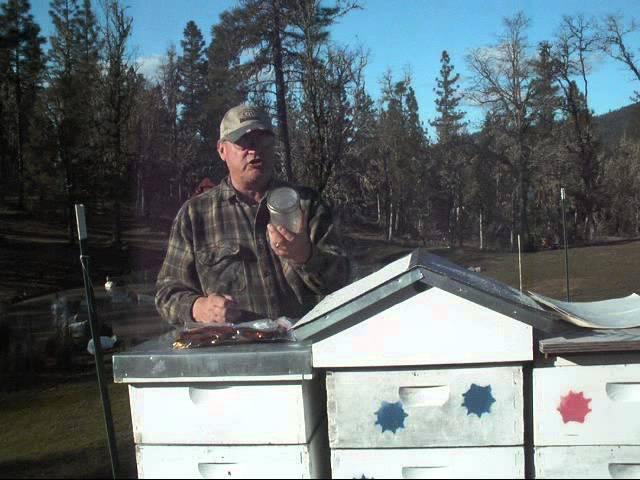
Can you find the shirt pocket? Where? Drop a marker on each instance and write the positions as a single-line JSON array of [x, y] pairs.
[[221, 268]]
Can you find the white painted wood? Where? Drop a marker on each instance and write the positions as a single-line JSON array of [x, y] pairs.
[[611, 393], [499, 462], [223, 414], [587, 462], [430, 328], [433, 402], [257, 461]]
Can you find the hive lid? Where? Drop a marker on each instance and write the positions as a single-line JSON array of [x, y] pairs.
[[407, 277], [156, 361]]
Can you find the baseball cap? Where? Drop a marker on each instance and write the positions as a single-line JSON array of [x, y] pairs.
[[243, 119]]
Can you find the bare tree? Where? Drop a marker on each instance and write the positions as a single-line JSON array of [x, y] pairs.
[[615, 35], [503, 82], [577, 42]]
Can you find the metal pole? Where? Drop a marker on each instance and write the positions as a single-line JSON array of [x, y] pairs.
[[566, 245], [520, 262], [95, 335]]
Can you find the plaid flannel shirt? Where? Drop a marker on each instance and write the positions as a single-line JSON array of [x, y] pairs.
[[219, 245]]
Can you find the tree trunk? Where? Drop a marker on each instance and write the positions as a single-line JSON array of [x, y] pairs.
[[117, 222], [481, 234], [143, 201], [459, 225], [523, 205], [281, 91], [69, 199], [20, 135], [397, 219], [390, 222]]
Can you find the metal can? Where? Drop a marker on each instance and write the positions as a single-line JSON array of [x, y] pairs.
[[283, 204]]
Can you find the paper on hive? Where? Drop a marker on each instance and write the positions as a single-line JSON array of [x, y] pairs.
[[621, 312]]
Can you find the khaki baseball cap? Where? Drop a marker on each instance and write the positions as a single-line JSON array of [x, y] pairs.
[[243, 119]]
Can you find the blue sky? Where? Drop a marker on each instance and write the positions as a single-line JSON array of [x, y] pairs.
[[401, 35]]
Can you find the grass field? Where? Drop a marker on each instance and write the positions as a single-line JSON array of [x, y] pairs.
[[59, 432], [55, 428]]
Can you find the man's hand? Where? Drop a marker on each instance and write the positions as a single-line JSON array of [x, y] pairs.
[[294, 247], [216, 309]]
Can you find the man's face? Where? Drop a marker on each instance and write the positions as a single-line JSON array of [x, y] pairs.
[[250, 159]]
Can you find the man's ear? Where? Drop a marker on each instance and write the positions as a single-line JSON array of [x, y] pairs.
[[222, 151]]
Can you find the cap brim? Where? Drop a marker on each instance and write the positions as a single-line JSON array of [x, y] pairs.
[[236, 134]]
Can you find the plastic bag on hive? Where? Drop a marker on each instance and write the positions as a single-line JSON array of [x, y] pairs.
[[257, 331]]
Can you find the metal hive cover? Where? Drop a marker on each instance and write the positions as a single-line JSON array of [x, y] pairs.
[[407, 277]]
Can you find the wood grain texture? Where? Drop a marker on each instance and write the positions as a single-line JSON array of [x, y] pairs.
[[499, 462], [425, 408], [580, 340], [587, 462]]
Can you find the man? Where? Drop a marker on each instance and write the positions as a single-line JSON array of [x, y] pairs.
[[225, 262]]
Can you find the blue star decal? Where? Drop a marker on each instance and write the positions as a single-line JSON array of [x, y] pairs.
[[391, 416], [478, 400]]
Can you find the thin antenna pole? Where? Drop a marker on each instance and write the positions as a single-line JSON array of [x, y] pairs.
[[95, 335], [520, 261], [566, 245]]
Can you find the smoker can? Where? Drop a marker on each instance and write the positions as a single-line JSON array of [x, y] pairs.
[[284, 208]]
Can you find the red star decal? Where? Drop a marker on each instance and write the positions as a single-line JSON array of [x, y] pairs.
[[574, 407]]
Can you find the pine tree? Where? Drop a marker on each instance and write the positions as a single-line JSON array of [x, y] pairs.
[[283, 38], [258, 26], [119, 83], [170, 88], [88, 46], [20, 43], [225, 89], [63, 100], [402, 152], [449, 123], [193, 68], [547, 171], [193, 74], [449, 152]]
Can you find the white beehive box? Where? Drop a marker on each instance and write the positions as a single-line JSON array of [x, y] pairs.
[[425, 408], [226, 413], [588, 462], [243, 411], [429, 463], [307, 460], [424, 372], [587, 405]]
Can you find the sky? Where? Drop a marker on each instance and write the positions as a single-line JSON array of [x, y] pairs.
[[400, 35]]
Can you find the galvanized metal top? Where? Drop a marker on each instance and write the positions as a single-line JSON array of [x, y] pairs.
[[156, 361], [409, 276]]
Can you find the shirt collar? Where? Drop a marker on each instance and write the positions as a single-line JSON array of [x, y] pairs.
[[228, 193]]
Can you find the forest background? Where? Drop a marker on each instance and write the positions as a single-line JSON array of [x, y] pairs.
[[80, 123]]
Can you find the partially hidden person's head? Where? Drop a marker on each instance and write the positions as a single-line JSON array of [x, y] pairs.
[[246, 145]]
